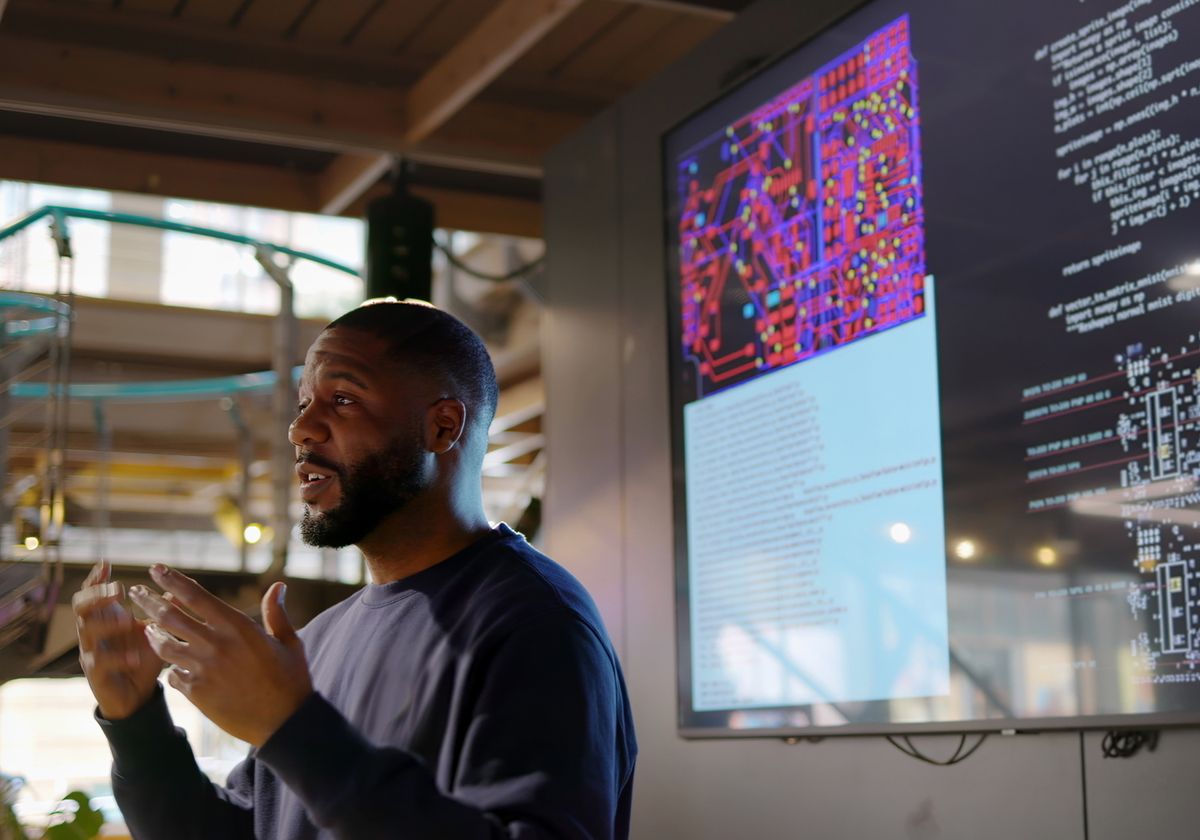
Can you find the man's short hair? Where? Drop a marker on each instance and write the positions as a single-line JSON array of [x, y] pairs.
[[422, 335]]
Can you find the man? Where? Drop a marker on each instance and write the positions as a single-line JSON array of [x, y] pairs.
[[469, 691]]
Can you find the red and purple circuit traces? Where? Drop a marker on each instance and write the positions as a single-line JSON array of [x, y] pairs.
[[802, 223]]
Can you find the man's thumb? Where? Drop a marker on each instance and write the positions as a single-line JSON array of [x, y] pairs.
[[274, 616]]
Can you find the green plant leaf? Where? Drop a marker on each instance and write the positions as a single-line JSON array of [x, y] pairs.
[[83, 824]]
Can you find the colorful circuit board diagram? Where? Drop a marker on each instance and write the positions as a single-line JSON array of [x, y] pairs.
[[801, 226]]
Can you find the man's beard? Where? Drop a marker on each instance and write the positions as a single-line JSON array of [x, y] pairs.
[[372, 489]]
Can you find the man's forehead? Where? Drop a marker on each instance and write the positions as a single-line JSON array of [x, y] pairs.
[[350, 351]]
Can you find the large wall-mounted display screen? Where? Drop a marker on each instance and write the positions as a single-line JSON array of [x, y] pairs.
[[935, 366]]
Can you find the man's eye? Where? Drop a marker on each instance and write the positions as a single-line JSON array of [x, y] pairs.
[[300, 408], [342, 400]]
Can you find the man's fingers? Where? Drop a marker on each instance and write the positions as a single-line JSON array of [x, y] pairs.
[[98, 574], [168, 648], [97, 597], [168, 614], [192, 595]]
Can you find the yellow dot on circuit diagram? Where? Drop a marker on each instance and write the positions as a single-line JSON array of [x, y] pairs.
[[868, 322], [792, 190], [787, 163], [778, 347], [733, 247]]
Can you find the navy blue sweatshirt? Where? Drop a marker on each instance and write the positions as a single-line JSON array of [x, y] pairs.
[[480, 698]]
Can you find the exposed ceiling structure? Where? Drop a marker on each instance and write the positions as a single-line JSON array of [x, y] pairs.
[[305, 104], [298, 105]]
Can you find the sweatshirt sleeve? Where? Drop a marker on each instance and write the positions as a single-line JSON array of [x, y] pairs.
[[539, 752], [160, 789]]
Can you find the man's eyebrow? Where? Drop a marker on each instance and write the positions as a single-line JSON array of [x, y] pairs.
[[341, 372], [349, 377]]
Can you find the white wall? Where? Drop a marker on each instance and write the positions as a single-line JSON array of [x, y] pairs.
[[608, 518]]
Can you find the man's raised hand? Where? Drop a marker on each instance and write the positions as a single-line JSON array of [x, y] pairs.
[[118, 662], [245, 679]]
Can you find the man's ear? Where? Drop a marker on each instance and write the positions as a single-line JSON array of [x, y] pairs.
[[445, 422]]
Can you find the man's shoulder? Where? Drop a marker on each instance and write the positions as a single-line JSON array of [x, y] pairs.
[[512, 583]]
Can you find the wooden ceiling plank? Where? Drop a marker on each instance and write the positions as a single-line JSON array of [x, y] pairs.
[[330, 21], [269, 18], [479, 58], [667, 47], [599, 56], [442, 28], [394, 24], [208, 43], [571, 34]]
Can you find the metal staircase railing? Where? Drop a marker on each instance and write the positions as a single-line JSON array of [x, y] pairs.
[[34, 342]]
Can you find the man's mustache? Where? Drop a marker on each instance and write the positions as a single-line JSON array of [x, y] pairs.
[[317, 461]]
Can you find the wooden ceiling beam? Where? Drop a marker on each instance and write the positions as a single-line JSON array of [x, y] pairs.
[[120, 170], [489, 49], [349, 176], [103, 85], [476, 61], [256, 185]]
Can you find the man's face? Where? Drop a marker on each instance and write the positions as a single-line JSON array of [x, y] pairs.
[[359, 438]]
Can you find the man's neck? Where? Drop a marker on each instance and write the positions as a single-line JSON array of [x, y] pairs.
[[415, 538]]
